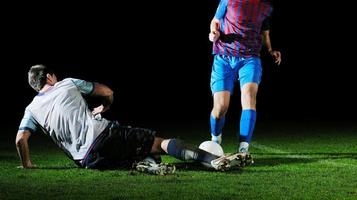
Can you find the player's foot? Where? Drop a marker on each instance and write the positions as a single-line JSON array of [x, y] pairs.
[[156, 169], [249, 156], [227, 162]]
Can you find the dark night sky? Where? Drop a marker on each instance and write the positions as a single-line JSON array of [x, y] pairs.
[[156, 57]]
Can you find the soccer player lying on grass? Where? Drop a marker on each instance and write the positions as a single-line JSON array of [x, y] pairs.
[[61, 112]]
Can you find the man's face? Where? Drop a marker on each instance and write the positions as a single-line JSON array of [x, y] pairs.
[[51, 79]]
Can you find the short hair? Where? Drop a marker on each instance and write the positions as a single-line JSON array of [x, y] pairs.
[[37, 76]]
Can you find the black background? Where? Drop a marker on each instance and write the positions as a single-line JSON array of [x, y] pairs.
[[157, 58]]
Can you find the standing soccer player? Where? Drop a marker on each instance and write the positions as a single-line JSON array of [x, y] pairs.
[[238, 30]]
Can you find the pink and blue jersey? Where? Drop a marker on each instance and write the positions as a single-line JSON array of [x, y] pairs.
[[241, 24]]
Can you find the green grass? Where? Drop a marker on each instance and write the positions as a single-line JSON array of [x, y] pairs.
[[292, 161]]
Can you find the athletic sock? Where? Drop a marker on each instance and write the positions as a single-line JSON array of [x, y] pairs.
[[216, 128], [217, 139], [182, 151], [243, 147], [247, 123]]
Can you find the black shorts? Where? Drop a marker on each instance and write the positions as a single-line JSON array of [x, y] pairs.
[[119, 147]]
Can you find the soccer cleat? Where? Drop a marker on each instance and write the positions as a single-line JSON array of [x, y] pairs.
[[153, 168], [249, 157], [227, 162]]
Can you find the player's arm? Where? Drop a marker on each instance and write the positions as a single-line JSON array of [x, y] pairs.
[[104, 92], [215, 23], [267, 43], [214, 27], [27, 126], [23, 148], [96, 90]]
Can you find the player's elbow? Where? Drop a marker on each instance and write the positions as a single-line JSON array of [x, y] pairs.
[[215, 24], [102, 90], [109, 92], [215, 21], [265, 34], [21, 138]]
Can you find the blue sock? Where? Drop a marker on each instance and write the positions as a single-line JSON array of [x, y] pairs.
[[181, 151], [247, 123], [217, 125]]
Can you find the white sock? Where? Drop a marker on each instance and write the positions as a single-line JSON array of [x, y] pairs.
[[217, 139], [243, 147]]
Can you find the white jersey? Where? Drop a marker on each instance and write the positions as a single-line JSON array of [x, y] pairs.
[[63, 114]]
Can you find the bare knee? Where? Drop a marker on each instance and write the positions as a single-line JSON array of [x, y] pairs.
[[219, 110], [249, 96], [220, 104]]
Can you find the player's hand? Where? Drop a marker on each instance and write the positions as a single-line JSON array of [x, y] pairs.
[[100, 109], [276, 56], [213, 36]]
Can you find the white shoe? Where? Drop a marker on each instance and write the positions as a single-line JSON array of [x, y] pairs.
[[153, 168], [227, 162]]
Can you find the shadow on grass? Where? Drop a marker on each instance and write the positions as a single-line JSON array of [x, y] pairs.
[[264, 159], [273, 159], [57, 167], [191, 166], [325, 154]]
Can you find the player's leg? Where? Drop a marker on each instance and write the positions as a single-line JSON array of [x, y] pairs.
[[120, 146], [177, 149], [156, 146], [222, 84], [183, 151], [217, 118], [248, 116], [151, 165], [249, 76]]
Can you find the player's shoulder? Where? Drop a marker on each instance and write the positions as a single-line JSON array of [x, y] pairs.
[[71, 81], [31, 106]]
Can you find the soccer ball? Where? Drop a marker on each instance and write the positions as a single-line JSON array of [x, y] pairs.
[[212, 148]]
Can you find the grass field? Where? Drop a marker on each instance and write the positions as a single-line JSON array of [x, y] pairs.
[[292, 161]]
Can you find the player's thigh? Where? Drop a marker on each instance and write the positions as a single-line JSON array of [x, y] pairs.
[[127, 142], [223, 76], [157, 146], [251, 71]]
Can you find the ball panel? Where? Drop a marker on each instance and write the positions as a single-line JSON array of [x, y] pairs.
[[212, 148]]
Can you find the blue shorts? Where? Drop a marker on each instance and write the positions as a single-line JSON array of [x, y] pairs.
[[226, 70]]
